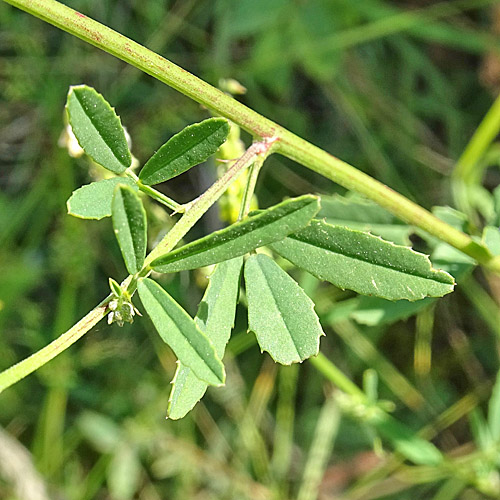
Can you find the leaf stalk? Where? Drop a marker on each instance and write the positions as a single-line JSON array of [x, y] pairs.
[[220, 103]]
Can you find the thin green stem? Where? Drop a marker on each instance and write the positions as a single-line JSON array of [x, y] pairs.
[[396, 21], [332, 373], [35, 361], [289, 145], [156, 195], [468, 171], [195, 210], [250, 187]]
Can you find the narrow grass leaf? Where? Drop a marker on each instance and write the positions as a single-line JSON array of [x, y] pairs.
[[129, 223], [93, 201], [326, 431], [279, 312], [177, 329], [215, 318], [124, 472], [407, 442], [364, 263], [101, 431], [255, 231], [494, 411], [190, 147], [98, 129], [480, 430]]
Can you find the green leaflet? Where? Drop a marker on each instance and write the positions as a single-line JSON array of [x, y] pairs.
[[190, 147], [98, 129], [363, 263], [255, 231], [177, 329], [129, 223], [115, 287], [279, 312], [215, 318], [93, 201]]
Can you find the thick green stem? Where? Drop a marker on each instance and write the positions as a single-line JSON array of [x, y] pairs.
[[35, 361], [289, 145]]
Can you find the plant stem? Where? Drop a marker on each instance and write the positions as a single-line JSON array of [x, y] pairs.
[[35, 361], [156, 195], [289, 145], [250, 187], [469, 171], [258, 151], [332, 373]]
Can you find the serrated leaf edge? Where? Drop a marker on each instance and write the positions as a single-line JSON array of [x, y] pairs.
[[222, 241], [420, 255], [71, 91], [311, 304], [190, 127]]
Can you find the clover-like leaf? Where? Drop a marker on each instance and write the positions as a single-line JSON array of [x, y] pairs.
[[93, 201], [364, 263], [279, 312], [129, 223], [215, 318], [98, 129], [265, 227], [190, 147], [177, 329]]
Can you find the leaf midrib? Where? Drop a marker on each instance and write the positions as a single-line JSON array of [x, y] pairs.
[[187, 340], [219, 240], [388, 267], [181, 153], [100, 134], [277, 307]]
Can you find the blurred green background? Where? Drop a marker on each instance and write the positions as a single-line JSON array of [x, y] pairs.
[[396, 88]]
